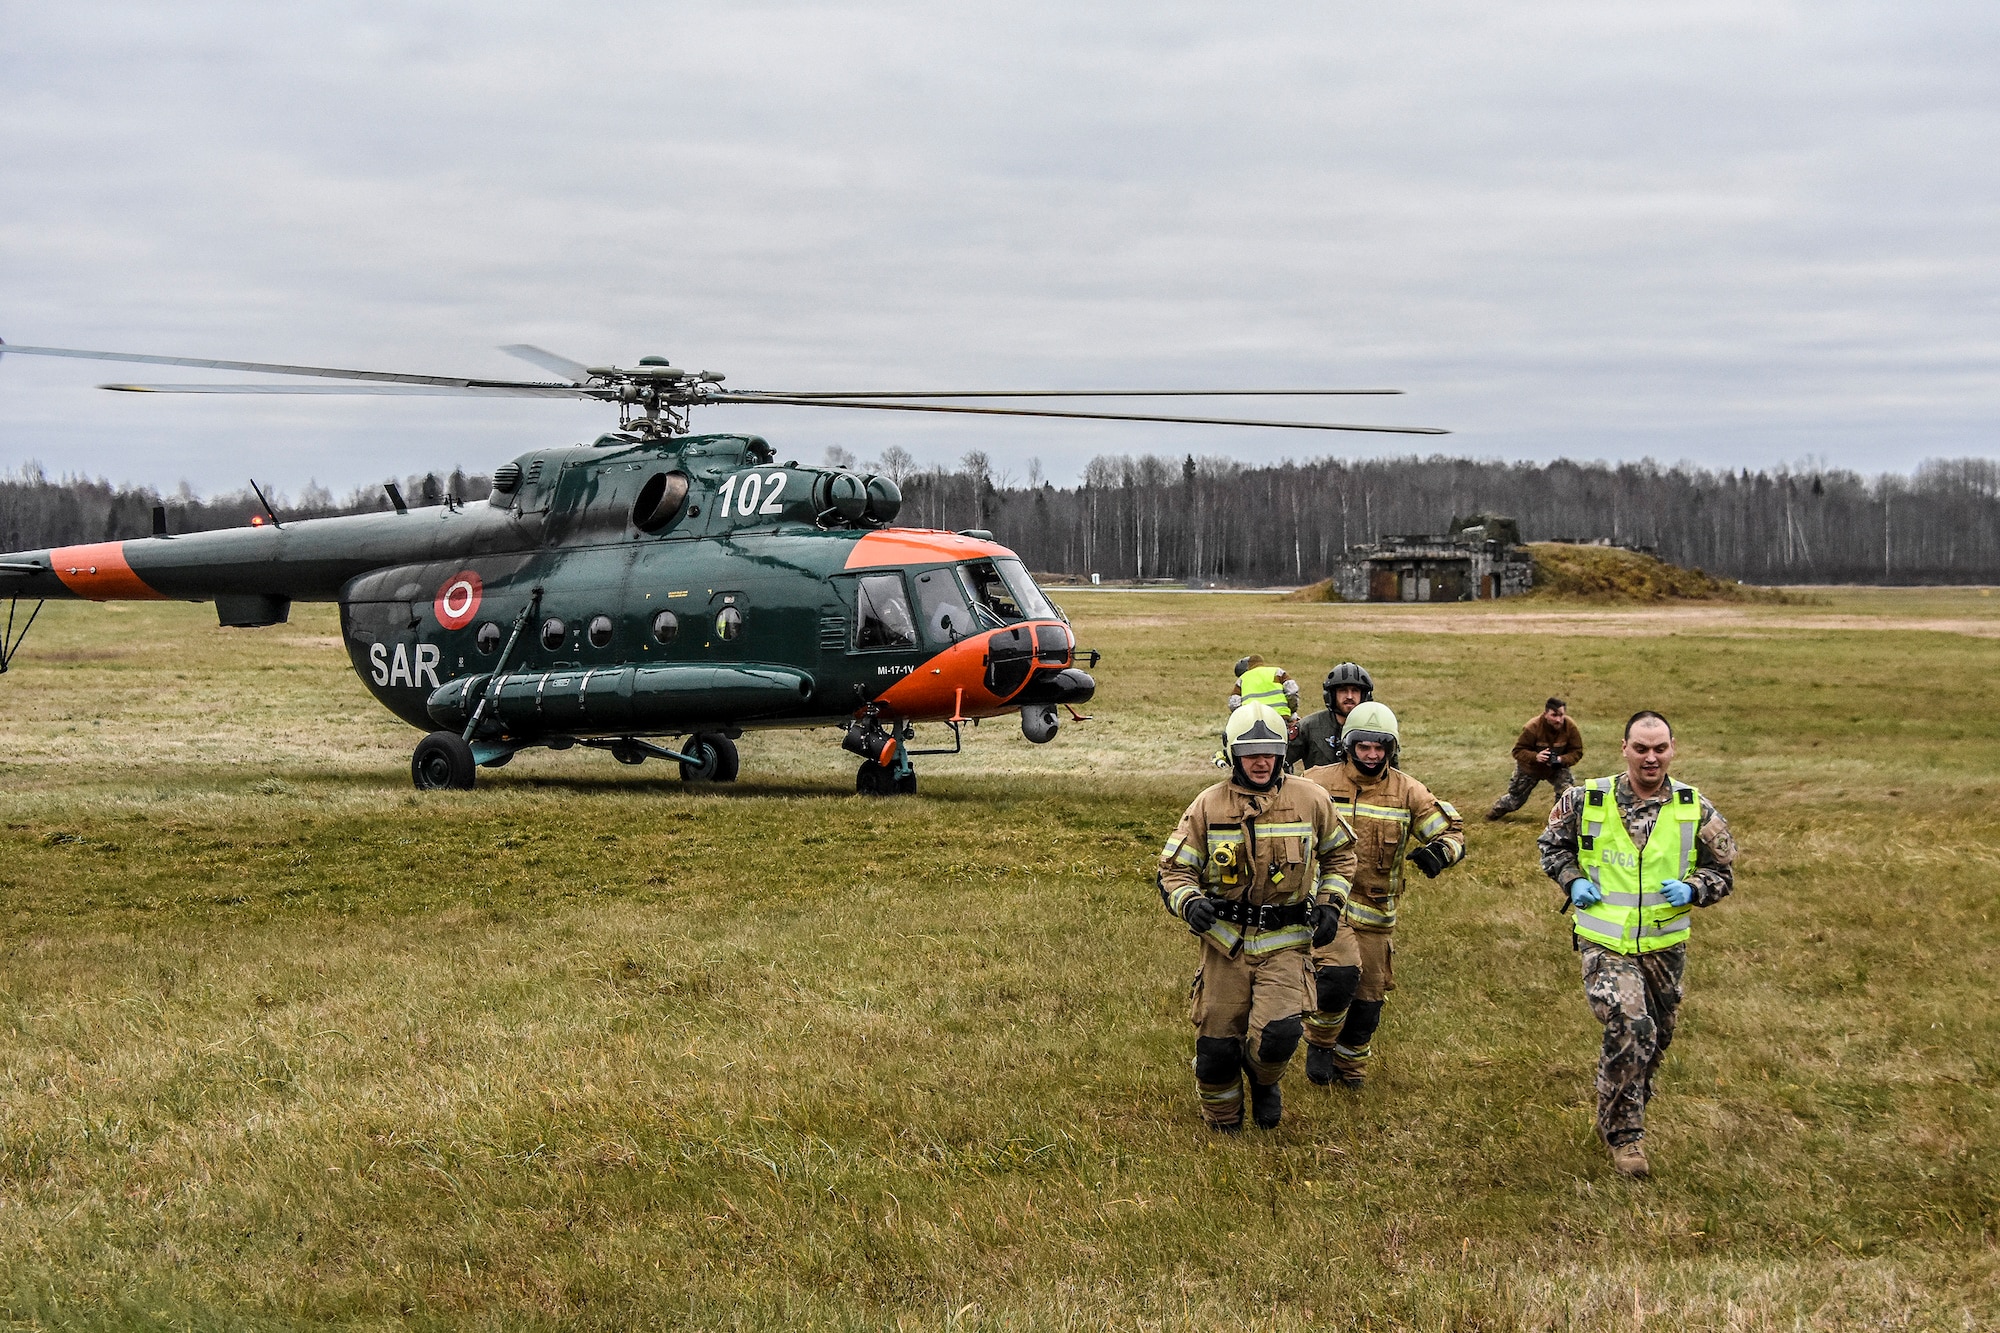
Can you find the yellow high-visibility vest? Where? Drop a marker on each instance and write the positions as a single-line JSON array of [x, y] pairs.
[[1635, 916], [1260, 685]]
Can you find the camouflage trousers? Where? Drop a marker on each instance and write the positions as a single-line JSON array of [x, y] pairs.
[[1523, 783], [1636, 998]]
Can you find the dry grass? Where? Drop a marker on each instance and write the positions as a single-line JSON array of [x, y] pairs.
[[283, 1045], [1608, 574]]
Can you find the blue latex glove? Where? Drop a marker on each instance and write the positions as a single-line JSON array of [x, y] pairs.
[[1677, 893], [1582, 893]]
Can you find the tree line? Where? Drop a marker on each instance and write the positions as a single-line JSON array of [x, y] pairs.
[[38, 511], [1217, 520]]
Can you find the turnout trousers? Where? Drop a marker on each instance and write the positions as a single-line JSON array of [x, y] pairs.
[[1248, 1014], [1636, 997], [1352, 977]]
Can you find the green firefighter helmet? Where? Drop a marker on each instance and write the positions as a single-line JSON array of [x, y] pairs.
[[1255, 729], [1372, 722]]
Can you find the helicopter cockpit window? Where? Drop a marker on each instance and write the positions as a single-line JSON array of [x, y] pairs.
[[1003, 594], [553, 633], [882, 613], [600, 631], [488, 638], [941, 603], [660, 501]]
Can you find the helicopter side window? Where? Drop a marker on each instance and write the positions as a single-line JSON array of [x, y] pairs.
[[665, 626], [728, 624], [553, 633], [488, 638], [882, 613], [600, 631], [941, 603]]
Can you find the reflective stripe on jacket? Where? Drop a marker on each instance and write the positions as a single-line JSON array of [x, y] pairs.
[[1277, 847], [1635, 916]]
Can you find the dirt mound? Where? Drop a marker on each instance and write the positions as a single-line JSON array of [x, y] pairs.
[[1608, 574], [1313, 592]]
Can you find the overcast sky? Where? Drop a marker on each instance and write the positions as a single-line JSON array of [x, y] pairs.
[[1740, 233]]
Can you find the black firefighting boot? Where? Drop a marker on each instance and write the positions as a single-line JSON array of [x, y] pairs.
[[1267, 1104], [1320, 1066]]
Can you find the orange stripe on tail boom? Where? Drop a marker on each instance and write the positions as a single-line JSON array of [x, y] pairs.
[[100, 573]]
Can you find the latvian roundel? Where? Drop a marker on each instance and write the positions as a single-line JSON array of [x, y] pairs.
[[458, 601]]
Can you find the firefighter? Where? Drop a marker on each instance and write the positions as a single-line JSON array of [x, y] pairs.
[[1259, 869], [1317, 743], [1636, 853], [1393, 815], [1545, 751]]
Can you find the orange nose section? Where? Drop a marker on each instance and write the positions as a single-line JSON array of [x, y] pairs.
[[99, 572], [975, 677]]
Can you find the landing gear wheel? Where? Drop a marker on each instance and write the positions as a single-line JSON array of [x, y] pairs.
[[443, 762], [717, 753], [871, 779]]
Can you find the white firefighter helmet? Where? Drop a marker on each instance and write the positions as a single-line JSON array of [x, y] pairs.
[[1255, 729]]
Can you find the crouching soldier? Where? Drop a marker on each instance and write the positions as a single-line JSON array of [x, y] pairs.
[[1258, 864], [1392, 814]]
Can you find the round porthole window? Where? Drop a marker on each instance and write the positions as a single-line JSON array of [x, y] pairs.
[[488, 638], [553, 633], [665, 626], [600, 631], [728, 624]]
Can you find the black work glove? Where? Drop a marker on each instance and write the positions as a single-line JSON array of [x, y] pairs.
[[1326, 924], [1431, 858], [1199, 914]]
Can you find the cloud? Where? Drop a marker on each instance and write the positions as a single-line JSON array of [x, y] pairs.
[[1735, 234]]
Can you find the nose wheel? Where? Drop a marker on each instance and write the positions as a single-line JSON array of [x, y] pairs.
[[872, 779]]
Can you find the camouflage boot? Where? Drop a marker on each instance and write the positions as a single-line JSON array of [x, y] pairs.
[[1629, 1159]]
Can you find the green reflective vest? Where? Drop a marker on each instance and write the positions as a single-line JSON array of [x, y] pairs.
[[1635, 917], [1260, 685]]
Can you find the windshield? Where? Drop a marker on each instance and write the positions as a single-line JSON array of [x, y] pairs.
[[1003, 594]]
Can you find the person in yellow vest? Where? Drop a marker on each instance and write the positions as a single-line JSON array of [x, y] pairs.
[[1636, 853], [1257, 683], [1394, 816], [1271, 686], [1258, 867]]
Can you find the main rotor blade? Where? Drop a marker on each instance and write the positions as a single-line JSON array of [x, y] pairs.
[[267, 367], [1080, 416], [547, 360], [417, 390], [1082, 393]]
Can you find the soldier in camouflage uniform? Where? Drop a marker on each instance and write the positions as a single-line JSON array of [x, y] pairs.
[[1259, 866], [1548, 747], [1635, 854]]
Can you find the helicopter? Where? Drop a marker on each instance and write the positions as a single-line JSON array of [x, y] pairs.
[[652, 585]]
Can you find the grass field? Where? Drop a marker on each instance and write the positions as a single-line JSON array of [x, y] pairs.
[[286, 1045]]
